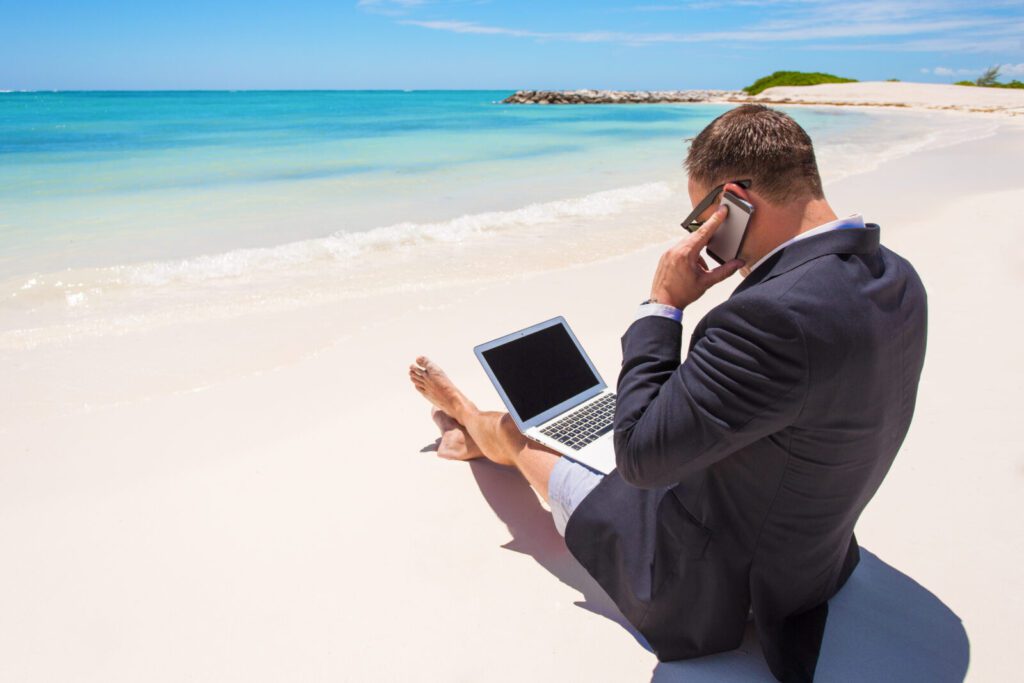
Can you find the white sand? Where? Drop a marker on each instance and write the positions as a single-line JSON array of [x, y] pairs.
[[918, 95], [184, 505]]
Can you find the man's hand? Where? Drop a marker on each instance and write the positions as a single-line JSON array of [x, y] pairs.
[[683, 276]]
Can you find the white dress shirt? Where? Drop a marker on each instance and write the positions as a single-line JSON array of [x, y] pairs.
[[854, 220]]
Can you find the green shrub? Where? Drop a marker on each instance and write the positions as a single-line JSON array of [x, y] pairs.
[[989, 77], [793, 78], [988, 80]]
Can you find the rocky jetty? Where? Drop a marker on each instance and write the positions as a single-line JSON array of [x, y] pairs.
[[621, 96]]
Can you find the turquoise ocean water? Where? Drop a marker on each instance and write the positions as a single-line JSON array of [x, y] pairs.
[[109, 196]]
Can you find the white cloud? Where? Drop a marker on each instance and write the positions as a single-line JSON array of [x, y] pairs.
[[472, 27], [767, 32], [577, 37], [946, 71], [920, 25], [1004, 70], [993, 40]]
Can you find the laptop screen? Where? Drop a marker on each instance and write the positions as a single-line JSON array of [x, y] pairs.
[[540, 370]]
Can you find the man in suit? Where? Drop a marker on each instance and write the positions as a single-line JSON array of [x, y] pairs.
[[741, 471]]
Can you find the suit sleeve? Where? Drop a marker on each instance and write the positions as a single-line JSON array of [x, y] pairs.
[[745, 378]]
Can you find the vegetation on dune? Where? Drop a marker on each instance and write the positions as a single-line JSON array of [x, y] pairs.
[[793, 78], [989, 79], [1012, 84]]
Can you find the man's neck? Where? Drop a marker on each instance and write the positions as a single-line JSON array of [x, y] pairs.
[[818, 212], [812, 214]]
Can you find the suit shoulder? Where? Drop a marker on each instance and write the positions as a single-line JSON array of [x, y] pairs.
[[906, 268]]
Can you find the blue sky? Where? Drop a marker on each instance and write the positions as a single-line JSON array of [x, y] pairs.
[[499, 44]]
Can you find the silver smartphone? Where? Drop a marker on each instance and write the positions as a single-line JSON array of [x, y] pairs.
[[727, 241]]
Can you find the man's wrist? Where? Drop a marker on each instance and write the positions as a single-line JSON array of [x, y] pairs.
[[656, 299], [661, 296], [654, 307]]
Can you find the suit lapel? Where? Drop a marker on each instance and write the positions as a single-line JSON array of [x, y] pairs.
[[840, 241]]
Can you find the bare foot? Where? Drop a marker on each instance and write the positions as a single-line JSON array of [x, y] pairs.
[[456, 443], [431, 381]]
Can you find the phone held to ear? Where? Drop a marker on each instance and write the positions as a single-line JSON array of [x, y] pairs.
[[727, 241]]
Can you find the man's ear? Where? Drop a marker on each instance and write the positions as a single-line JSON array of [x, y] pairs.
[[737, 190]]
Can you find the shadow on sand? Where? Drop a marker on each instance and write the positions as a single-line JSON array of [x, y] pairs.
[[883, 626]]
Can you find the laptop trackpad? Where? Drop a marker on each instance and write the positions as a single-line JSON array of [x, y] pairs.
[[600, 455]]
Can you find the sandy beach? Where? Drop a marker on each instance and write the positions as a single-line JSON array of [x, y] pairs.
[[896, 94], [255, 498]]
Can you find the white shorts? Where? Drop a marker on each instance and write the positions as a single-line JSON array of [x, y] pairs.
[[568, 485]]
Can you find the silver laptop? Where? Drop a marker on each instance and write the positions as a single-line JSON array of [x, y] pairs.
[[553, 391]]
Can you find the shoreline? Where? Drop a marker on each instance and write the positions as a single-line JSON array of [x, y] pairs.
[[242, 309], [401, 260], [909, 95]]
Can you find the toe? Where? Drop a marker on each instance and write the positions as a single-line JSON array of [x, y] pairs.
[[429, 366]]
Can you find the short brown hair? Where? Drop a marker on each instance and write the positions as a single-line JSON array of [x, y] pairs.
[[763, 144]]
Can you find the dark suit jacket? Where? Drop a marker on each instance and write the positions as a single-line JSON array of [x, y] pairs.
[[742, 471]]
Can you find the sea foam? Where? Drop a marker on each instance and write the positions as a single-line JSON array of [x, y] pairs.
[[343, 246]]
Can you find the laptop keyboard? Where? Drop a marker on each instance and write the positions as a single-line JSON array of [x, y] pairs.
[[578, 429]]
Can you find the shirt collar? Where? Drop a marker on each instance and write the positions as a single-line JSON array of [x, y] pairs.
[[854, 220]]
